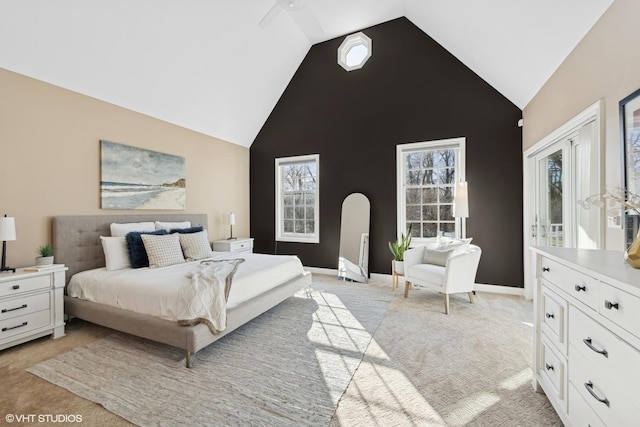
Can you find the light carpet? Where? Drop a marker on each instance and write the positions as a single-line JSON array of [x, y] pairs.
[[289, 366]]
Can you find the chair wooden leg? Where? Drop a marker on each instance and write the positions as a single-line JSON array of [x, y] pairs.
[[446, 303], [470, 297], [407, 286]]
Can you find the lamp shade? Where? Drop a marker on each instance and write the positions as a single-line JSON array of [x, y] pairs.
[[461, 201], [232, 219], [7, 228]]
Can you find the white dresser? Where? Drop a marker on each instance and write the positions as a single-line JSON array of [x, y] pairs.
[[241, 244], [587, 336], [31, 305]]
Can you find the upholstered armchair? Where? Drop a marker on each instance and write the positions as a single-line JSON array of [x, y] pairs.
[[446, 271]]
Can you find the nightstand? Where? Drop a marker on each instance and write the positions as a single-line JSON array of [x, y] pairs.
[[31, 305], [241, 244]]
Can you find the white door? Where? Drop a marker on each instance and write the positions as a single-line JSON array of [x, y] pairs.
[[551, 216]]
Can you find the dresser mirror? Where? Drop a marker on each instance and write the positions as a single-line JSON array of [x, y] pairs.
[[353, 260]]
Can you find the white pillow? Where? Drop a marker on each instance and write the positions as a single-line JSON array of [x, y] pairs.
[[195, 245], [121, 230], [116, 253], [162, 250], [458, 246], [172, 225]]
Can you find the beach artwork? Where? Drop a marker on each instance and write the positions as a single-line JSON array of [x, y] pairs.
[[134, 178]]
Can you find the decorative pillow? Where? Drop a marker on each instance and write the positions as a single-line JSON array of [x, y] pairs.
[[163, 250], [459, 246], [116, 253], [137, 252], [195, 229], [172, 225], [437, 256], [121, 230], [195, 245]]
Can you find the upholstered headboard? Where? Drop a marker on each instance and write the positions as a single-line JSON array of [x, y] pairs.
[[76, 239]]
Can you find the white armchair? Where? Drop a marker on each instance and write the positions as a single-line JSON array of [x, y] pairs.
[[455, 274]]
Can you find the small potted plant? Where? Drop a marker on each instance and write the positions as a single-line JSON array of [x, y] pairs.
[[45, 255], [397, 248]]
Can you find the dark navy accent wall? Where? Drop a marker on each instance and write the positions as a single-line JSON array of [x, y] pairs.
[[410, 90]]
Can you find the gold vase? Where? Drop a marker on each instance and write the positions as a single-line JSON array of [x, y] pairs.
[[632, 254]]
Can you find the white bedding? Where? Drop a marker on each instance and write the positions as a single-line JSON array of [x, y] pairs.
[[155, 291]]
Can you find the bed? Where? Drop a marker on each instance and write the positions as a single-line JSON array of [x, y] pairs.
[[76, 243]]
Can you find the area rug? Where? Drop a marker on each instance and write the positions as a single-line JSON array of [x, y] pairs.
[[289, 366]]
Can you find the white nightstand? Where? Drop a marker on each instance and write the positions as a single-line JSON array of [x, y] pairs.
[[31, 305], [241, 244]]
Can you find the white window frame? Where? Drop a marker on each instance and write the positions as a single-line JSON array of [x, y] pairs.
[[281, 236], [401, 150]]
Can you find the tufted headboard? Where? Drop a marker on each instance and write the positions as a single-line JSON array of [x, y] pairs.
[[76, 239]]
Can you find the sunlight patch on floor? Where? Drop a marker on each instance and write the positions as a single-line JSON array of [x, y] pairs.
[[516, 381], [466, 410]]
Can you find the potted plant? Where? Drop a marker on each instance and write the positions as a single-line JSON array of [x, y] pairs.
[[397, 248], [45, 253]]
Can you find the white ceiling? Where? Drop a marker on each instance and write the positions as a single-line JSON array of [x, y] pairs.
[[206, 64]]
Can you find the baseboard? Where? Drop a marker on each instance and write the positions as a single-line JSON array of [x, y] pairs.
[[386, 278], [497, 289]]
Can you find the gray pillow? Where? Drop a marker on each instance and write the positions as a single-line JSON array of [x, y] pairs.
[[436, 256]]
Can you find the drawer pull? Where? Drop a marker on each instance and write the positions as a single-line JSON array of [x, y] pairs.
[[587, 342], [15, 287], [549, 367], [609, 305], [545, 269], [15, 327], [589, 387], [550, 315], [581, 288], [6, 310]]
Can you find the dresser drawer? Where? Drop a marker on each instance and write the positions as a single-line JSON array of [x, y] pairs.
[[553, 370], [19, 286], [554, 318], [601, 348], [21, 306], [21, 324], [580, 412], [613, 398], [580, 286], [242, 246], [620, 307]]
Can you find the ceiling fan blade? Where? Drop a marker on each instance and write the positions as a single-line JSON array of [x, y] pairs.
[[270, 16]]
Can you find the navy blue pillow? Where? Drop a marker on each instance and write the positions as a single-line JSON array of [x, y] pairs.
[[188, 230], [137, 253]]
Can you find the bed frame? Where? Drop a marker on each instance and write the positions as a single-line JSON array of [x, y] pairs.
[[76, 243]]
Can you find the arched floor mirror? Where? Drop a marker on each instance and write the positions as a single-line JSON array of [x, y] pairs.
[[353, 260]]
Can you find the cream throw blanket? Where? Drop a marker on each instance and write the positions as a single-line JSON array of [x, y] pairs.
[[204, 300]]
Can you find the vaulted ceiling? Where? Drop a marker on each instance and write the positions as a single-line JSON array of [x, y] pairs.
[[208, 65]]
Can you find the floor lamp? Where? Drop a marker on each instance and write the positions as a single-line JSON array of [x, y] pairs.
[[461, 206], [7, 233]]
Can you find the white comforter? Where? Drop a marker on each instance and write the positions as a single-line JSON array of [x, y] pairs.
[[156, 291]]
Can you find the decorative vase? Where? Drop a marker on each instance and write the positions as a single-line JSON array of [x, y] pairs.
[[44, 260], [632, 254]]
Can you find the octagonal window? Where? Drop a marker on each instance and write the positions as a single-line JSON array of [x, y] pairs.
[[354, 51]]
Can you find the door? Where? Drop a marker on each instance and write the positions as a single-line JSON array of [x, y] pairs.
[[552, 219]]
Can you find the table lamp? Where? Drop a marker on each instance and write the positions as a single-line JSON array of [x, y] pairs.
[[7, 233]]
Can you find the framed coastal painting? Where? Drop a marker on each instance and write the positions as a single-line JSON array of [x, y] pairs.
[[135, 178], [630, 130]]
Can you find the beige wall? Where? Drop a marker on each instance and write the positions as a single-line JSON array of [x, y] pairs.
[[50, 161], [605, 65]]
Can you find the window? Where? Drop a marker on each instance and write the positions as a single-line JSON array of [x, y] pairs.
[[297, 201], [427, 175]]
